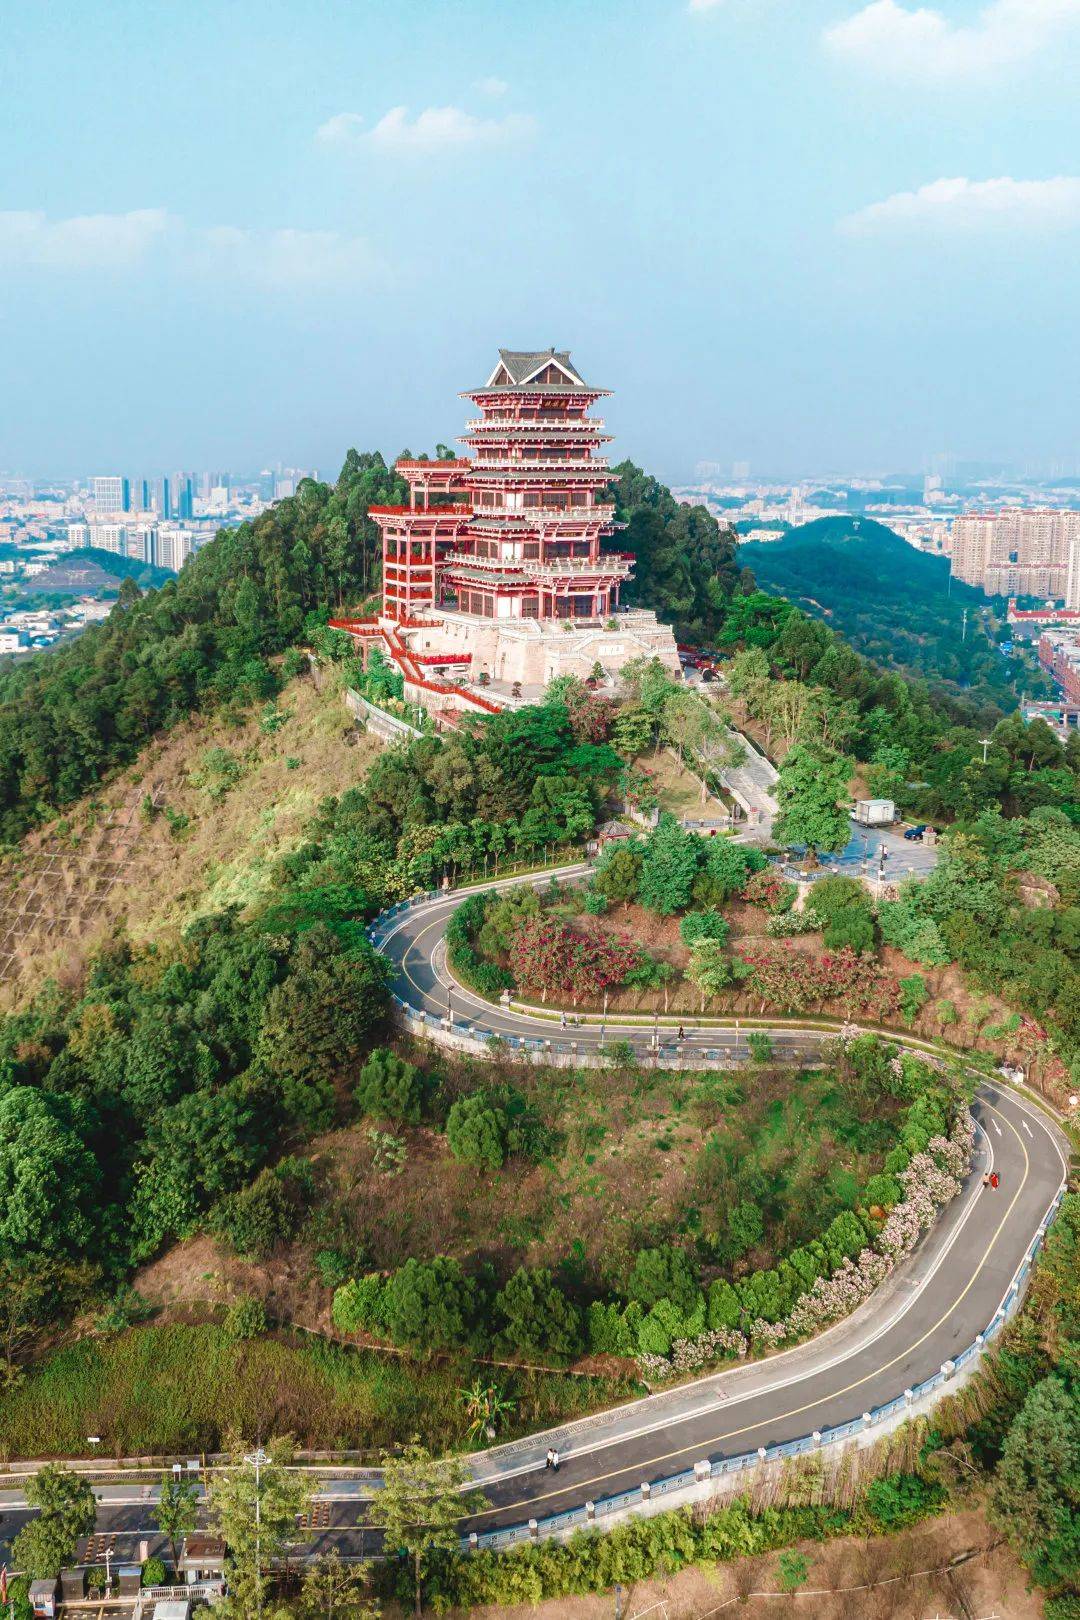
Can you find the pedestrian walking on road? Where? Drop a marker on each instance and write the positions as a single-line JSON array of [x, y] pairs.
[[554, 1462], [986, 1179], [550, 1458], [562, 1020], [682, 1033], [995, 1180]]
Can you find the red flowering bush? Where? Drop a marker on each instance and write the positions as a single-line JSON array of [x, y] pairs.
[[590, 716], [569, 963], [791, 981], [770, 889]]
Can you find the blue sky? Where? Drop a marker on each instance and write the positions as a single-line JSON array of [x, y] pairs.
[[811, 234]]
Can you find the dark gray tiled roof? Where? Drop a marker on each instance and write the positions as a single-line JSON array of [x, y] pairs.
[[521, 363]]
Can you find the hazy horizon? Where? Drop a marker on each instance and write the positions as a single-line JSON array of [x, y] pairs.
[[833, 234]]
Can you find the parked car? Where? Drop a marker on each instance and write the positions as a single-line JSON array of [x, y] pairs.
[[915, 834]]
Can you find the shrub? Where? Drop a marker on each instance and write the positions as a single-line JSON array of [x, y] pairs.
[[476, 1131], [612, 1331], [361, 1305], [760, 1044], [853, 928], [153, 1572], [902, 1499], [390, 1088], [913, 996], [260, 1217], [703, 925], [663, 1274], [245, 1319]]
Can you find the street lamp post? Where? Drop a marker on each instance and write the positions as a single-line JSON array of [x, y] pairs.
[[256, 1460]]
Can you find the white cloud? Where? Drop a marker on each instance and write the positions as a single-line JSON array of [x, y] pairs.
[[152, 236], [341, 130], [967, 205], [442, 129], [83, 242], [920, 43], [492, 87], [704, 5]]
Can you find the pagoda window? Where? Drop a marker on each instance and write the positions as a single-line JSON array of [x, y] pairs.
[[534, 498], [531, 548], [530, 607]]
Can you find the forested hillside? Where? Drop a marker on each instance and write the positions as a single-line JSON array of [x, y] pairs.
[[892, 603], [201, 641]]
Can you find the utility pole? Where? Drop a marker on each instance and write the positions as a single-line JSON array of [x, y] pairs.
[[963, 626], [985, 741]]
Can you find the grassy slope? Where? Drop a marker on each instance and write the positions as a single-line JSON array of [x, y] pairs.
[[184, 1386], [226, 853]]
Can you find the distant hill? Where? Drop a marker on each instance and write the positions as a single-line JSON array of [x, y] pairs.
[[893, 603], [86, 571]]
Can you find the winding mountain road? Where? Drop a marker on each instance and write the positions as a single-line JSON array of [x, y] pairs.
[[928, 1312]]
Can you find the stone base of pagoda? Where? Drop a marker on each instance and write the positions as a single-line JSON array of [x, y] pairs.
[[535, 651]]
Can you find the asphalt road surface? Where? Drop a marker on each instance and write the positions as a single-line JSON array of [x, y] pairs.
[[924, 1315]]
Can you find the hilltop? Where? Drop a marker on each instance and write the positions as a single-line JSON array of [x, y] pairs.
[[89, 570], [892, 603]]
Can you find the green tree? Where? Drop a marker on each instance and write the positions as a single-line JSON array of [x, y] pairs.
[[1035, 1498], [618, 873], [390, 1088], [430, 1304], [176, 1513], [537, 1318], [48, 1179], [334, 1590], [812, 794], [254, 1508], [67, 1510], [663, 1274], [318, 1020], [668, 867], [476, 1130], [420, 1506], [710, 968]]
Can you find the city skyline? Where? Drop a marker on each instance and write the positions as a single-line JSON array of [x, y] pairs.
[[845, 231]]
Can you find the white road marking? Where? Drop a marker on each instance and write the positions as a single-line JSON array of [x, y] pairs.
[[1027, 1128], [997, 1127]]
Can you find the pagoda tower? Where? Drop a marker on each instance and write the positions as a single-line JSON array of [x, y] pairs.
[[498, 549]]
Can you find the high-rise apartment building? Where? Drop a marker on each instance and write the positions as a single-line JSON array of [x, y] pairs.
[[111, 494], [1072, 577], [1016, 551], [174, 547]]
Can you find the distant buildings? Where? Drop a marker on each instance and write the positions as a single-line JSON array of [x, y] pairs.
[[1016, 551], [111, 494], [1059, 655]]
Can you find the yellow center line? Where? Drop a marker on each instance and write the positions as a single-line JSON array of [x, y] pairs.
[[781, 1417], [795, 1411]]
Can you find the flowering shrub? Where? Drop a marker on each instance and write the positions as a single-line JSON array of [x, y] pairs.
[[770, 889], [791, 981], [930, 1181], [550, 956]]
